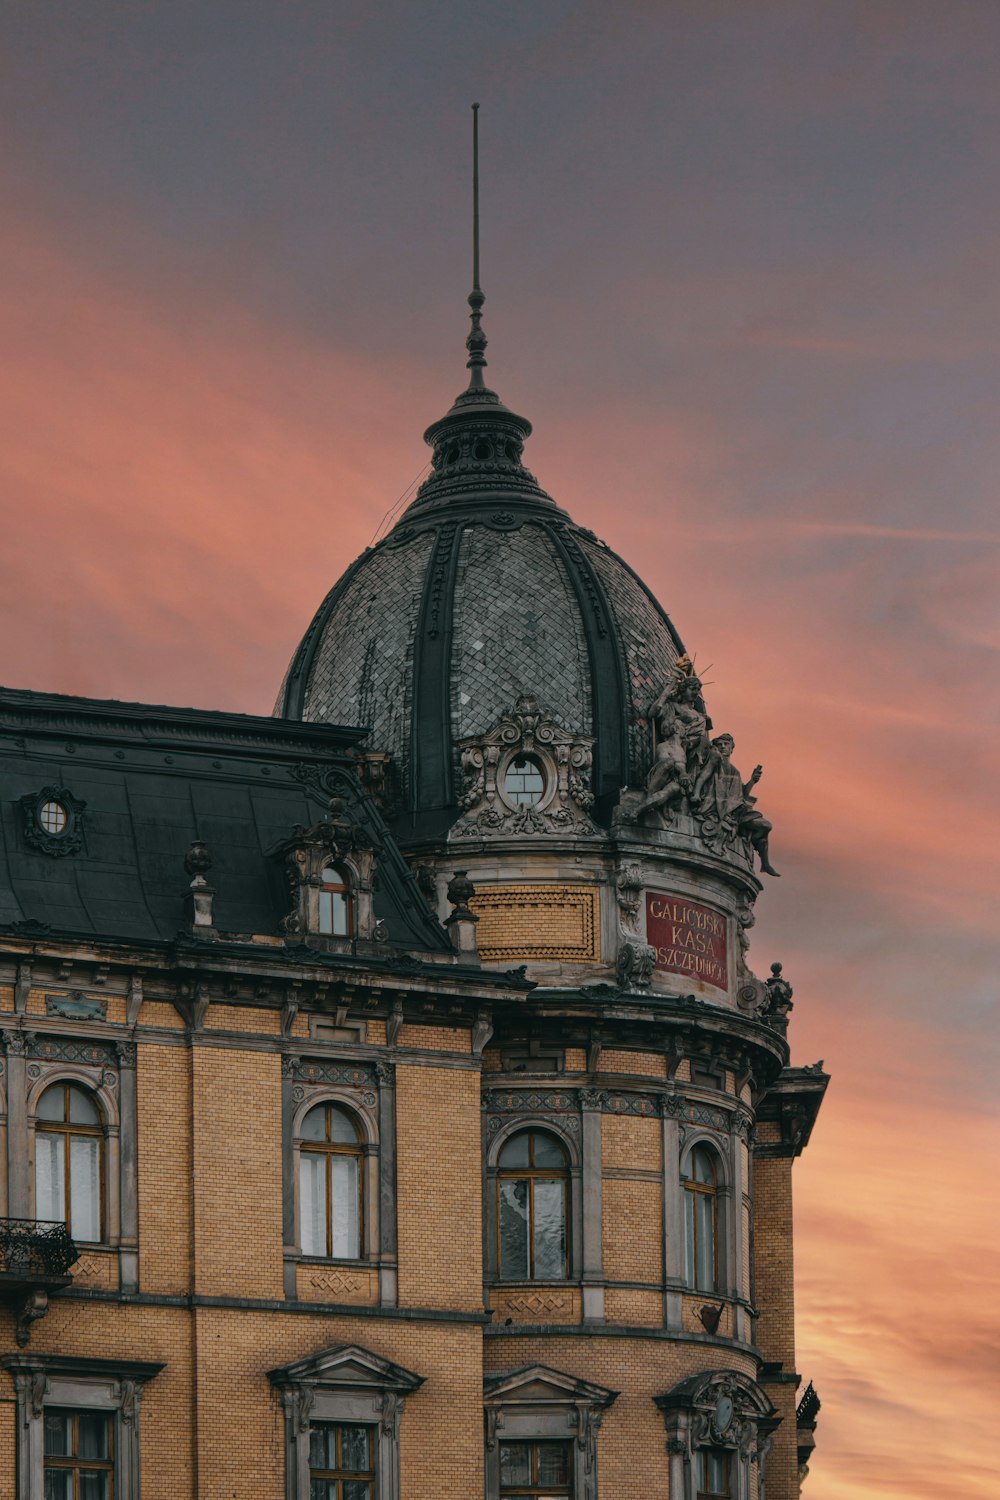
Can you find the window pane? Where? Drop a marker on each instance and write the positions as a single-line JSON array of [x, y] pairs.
[[58, 1484], [85, 1186], [92, 1435], [312, 1202], [342, 1128], [325, 912], [52, 1104], [550, 1230], [553, 1463], [323, 1489], [514, 1229], [82, 1109], [357, 1489], [704, 1206], [50, 1186], [344, 1206], [515, 1152], [314, 1124], [58, 1434], [515, 1463], [524, 783], [704, 1167], [354, 1454], [548, 1152], [321, 1446], [94, 1486], [338, 913]]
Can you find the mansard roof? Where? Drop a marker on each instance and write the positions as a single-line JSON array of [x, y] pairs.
[[145, 782]]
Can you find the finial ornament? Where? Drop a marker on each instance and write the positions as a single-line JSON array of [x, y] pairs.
[[476, 341]]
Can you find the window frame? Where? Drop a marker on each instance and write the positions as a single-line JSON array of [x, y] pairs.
[[536, 1404], [341, 886], [535, 1487], [73, 1462], [328, 1149], [574, 1144], [533, 1174], [349, 1386], [692, 1192], [67, 1129], [46, 1381], [338, 1474]]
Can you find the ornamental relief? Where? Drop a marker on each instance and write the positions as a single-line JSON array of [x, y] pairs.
[[527, 775]]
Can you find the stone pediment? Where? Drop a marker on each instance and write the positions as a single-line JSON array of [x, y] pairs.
[[347, 1365], [538, 1384]]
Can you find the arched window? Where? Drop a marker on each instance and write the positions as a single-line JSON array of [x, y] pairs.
[[701, 1209], [331, 1173], [69, 1160], [533, 1208], [335, 903]]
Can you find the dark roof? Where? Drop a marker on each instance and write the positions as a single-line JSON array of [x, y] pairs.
[[154, 779]]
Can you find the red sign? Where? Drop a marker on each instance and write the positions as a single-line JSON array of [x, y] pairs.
[[688, 938]]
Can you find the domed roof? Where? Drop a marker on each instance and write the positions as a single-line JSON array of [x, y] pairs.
[[484, 592]]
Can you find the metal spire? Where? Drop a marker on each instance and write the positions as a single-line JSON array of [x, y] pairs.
[[476, 341]]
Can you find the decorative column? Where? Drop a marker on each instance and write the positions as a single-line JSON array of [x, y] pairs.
[[18, 1154], [388, 1279], [673, 1212], [128, 1173], [592, 1169]]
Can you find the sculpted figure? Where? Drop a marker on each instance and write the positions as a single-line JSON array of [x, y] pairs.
[[668, 781], [725, 804]]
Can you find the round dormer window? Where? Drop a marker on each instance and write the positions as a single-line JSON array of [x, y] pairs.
[[524, 781], [54, 817]]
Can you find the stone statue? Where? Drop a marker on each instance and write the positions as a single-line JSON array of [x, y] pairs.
[[724, 803], [668, 781]]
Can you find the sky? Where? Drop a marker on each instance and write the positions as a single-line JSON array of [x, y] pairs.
[[740, 266]]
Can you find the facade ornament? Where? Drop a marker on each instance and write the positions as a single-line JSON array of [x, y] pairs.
[[290, 1008], [561, 760], [461, 924], [133, 999], [298, 1403], [628, 886], [307, 852], [15, 1043], [126, 1053], [131, 1394], [39, 825], [392, 1410], [725, 806], [636, 962], [34, 1306], [200, 895], [22, 988], [482, 1030], [394, 1023], [779, 1000]]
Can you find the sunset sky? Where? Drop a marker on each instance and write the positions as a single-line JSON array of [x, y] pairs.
[[741, 266]]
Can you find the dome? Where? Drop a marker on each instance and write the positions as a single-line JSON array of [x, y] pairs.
[[485, 593]]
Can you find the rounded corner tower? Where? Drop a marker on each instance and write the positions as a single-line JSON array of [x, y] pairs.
[[537, 738]]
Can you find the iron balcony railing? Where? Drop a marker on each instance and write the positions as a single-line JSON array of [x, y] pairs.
[[35, 1249]]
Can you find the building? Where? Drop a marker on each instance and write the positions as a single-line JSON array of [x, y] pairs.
[[391, 1111]]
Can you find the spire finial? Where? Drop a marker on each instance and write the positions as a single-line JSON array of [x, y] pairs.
[[476, 342]]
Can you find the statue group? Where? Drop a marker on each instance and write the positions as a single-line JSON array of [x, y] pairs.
[[694, 773]]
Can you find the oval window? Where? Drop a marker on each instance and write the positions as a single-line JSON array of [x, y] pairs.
[[53, 817], [524, 781]]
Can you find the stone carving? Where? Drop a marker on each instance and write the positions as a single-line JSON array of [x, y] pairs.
[[563, 759], [77, 1006], [694, 775], [200, 895], [779, 1000], [629, 892], [306, 852], [69, 839], [636, 962]]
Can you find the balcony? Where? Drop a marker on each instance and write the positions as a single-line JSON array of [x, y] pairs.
[[35, 1257]]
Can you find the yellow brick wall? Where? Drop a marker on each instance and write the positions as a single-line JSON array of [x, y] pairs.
[[163, 1093], [642, 1064], [631, 1445], [436, 1038], [237, 1172], [633, 1230], [439, 1187], [631, 1141], [774, 1266], [249, 1018]]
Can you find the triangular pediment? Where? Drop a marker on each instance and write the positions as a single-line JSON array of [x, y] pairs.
[[538, 1384], [347, 1365]]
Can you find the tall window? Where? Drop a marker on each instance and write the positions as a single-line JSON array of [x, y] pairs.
[[532, 1208], [341, 1462], [69, 1161], [536, 1471], [79, 1455], [714, 1474], [331, 1162], [334, 903], [701, 1203]]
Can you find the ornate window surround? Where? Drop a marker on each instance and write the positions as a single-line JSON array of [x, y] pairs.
[[565, 759], [366, 1091], [111, 1385], [343, 1384], [535, 1403], [728, 1255], [332, 842], [718, 1409], [106, 1068]]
